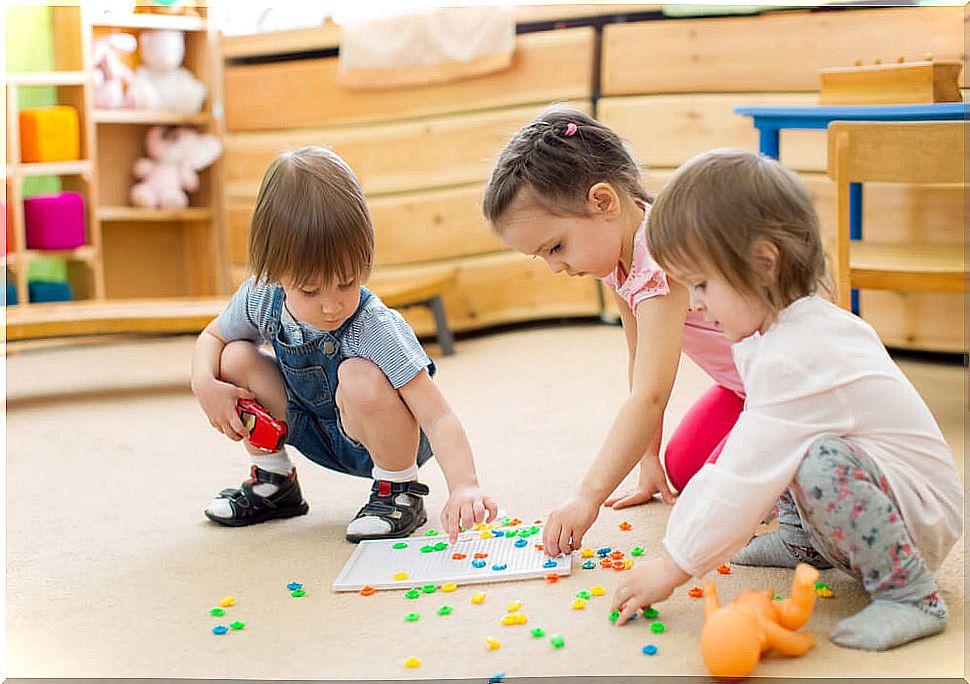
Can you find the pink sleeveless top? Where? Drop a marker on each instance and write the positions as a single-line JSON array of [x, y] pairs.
[[704, 343]]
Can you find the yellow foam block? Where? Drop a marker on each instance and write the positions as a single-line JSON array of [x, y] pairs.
[[49, 134]]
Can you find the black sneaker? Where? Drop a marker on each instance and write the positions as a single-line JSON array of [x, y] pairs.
[[401, 504], [249, 508]]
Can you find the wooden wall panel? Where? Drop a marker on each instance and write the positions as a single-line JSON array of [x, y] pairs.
[[506, 287], [410, 227], [394, 157], [667, 130], [778, 51], [546, 66]]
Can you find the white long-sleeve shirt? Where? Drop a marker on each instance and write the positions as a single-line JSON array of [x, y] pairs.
[[817, 371]]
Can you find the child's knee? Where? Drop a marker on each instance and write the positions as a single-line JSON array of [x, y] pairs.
[[238, 358], [362, 386]]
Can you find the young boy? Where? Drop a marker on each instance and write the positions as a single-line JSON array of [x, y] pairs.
[[347, 374]]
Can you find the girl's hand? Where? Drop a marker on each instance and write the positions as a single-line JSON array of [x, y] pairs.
[[467, 506], [651, 481], [645, 584], [218, 400], [567, 525]]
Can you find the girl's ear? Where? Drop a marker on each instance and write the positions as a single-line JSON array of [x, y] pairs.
[[603, 199], [765, 255]]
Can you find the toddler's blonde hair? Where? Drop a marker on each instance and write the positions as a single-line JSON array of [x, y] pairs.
[[715, 208]]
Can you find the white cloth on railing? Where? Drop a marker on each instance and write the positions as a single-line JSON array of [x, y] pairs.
[[433, 46]]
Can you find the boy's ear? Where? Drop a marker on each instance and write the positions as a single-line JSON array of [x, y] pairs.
[[765, 255], [602, 196]]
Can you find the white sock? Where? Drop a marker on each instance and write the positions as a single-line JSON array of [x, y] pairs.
[[405, 475], [371, 524], [278, 462]]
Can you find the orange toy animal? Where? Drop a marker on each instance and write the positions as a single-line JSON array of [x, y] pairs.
[[735, 635]]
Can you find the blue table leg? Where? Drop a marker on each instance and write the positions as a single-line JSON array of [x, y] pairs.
[[855, 228], [769, 141]]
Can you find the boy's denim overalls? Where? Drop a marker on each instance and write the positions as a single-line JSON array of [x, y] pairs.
[[310, 375]]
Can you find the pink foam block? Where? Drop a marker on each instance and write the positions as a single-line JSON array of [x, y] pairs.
[[54, 221]]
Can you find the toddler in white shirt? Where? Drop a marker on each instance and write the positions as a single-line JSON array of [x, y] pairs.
[[832, 432]]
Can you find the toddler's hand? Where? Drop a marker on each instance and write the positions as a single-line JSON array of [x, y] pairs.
[[467, 506], [218, 400], [567, 525], [646, 583], [651, 481]]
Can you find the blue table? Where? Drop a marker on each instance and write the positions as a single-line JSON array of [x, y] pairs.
[[771, 120]]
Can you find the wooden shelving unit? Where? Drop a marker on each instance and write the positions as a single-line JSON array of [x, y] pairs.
[[130, 252]]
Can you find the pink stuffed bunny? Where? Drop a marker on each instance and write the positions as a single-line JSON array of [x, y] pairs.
[[112, 77], [175, 156]]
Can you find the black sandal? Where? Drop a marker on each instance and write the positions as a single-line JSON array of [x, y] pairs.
[[249, 508], [401, 504]]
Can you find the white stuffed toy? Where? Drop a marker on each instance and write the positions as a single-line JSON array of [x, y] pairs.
[[112, 77], [161, 83], [175, 155]]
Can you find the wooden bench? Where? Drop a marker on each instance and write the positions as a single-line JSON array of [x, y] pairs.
[[184, 315]]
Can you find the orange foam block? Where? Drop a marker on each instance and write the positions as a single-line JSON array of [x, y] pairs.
[[49, 134]]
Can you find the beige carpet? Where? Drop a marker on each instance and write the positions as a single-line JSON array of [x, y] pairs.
[[112, 569]]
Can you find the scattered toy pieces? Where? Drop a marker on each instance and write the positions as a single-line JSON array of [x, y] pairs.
[[538, 632], [723, 569], [293, 586], [448, 587], [579, 604], [557, 641], [458, 556], [499, 567], [368, 590], [431, 533], [298, 593], [479, 597], [412, 593], [649, 649], [519, 543], [636, 551], [478, 563], [586, 552], [217, 612], [399, 576], [603, 551], [237, 624], [657, 627], [445, 610], [220, 629], [695, 592], [552, 577], [824, 593], [228, 601], [412, 617], [588, 565], [492, 644], [650, 613], [429, 588], [625, 526], [400, 545], [513, 606], [619, 565], [496, 678], [412, 662], [514, 619], [615, 615], [616, 555], [597, 590], [583, 595]]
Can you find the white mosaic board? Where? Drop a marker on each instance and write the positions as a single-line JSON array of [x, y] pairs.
[[375, 562]]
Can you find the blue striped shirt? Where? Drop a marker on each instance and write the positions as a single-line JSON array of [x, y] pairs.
[[379, 334]]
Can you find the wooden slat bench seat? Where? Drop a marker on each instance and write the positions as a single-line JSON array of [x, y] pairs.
[[184, 315]]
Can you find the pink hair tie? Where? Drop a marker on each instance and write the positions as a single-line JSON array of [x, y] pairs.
[[570, 129]]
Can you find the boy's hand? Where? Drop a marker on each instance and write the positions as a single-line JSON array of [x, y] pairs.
[[651, 481], [567, 525], [218, 400], [647, 583], [467, 506]]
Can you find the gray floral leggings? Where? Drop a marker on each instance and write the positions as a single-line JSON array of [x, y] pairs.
[[840, 511]]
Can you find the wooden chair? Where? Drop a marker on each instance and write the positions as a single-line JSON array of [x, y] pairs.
[[925, 152], [183, 315]]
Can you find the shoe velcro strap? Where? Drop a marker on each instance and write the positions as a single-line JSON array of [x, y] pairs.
[[410, 487]]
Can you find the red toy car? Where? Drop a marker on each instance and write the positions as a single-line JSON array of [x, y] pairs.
[[265, 431]]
